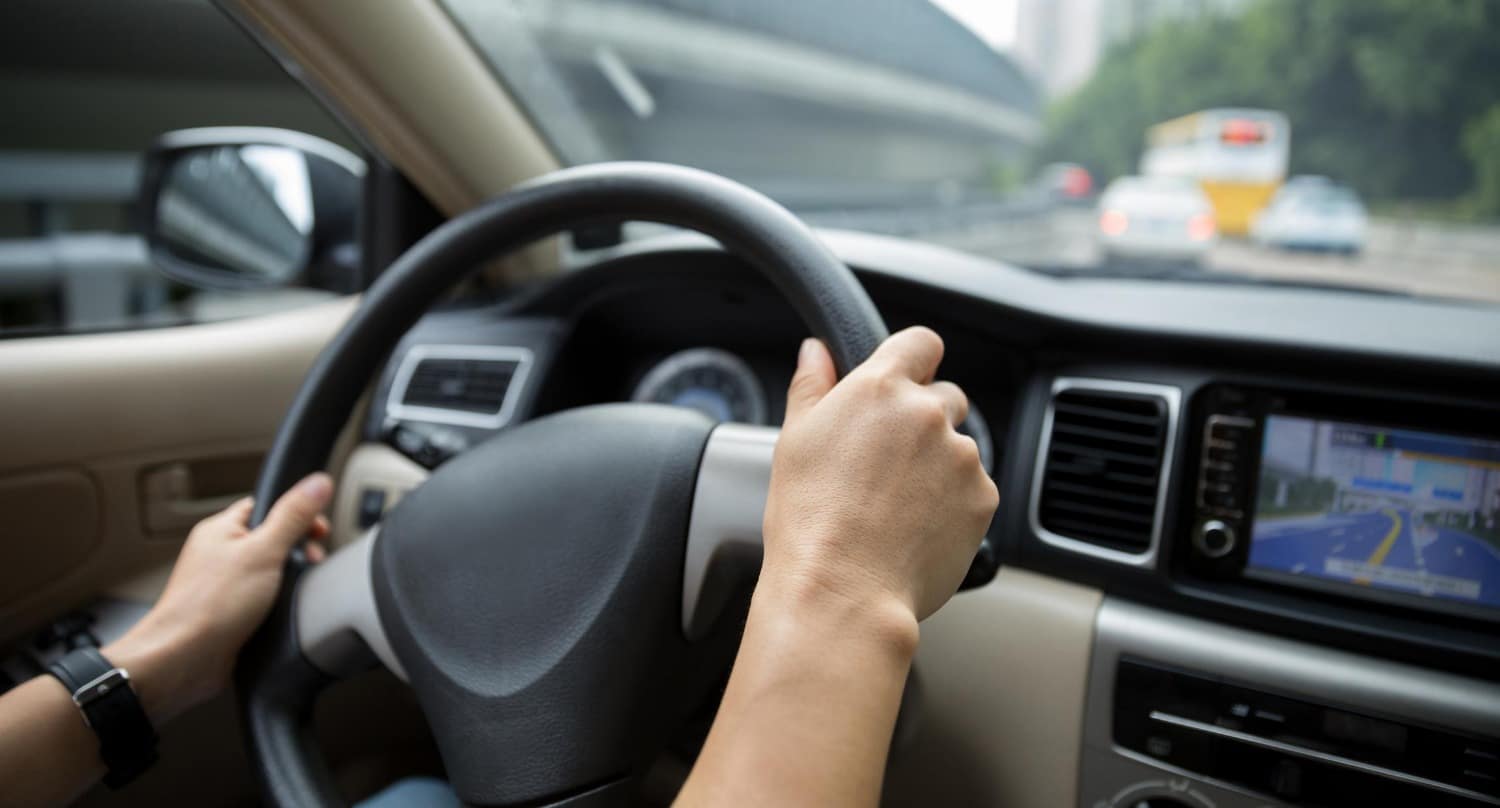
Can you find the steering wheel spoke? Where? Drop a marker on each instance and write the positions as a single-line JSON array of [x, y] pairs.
[[338, 624], [724, 530]]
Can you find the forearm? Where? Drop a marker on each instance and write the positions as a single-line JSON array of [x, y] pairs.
[[48, 756], [811, 704]]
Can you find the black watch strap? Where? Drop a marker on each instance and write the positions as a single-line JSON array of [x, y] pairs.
[[127, 741]]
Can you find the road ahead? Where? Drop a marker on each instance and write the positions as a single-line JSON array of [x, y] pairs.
[[1387, 548], [1420, 258]]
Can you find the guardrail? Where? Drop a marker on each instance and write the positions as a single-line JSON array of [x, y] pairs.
[[1420, 240]]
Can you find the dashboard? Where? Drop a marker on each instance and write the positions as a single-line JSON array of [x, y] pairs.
[[1304, 467], [726, 388]]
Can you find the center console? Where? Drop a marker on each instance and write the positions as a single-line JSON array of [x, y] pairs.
[[1359, 500], [1314, 624], [1184, 712]]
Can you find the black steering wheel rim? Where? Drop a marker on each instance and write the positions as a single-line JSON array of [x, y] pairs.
[[276, 684]]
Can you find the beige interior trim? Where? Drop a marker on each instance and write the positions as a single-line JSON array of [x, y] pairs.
[[1000, 680], [403, 73], [87, 397], [371, 467]]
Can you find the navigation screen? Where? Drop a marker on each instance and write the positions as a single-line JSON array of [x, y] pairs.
[[1410, 512]]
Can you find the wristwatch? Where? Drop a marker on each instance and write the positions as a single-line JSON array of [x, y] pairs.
[[127, 741]]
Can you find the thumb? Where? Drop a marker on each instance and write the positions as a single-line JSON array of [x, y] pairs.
[[292, 517], [815, 376]]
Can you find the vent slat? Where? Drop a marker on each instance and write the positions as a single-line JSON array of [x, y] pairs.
[[1093, 532], [1104, 434], [1096, 412], [1095, 491], [1123, 515], [1070, 447], [1103, 467], [1146, 480], [465, 385]]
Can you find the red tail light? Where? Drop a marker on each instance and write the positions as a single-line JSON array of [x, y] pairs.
[[1076, 182], [1113, 223], [1243, 132], [1201, 227]]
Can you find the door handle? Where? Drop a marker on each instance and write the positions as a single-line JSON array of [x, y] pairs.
[[171, 501]]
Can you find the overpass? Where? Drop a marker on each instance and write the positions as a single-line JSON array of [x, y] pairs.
[[823, 104]]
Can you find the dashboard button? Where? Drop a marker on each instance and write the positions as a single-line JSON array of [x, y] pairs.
[[1223, 456], [1221, 497], [1218, 476], [371, 507], [409, 441], [1214, 538]]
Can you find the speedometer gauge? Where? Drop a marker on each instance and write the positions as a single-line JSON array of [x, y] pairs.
[[714, 382]]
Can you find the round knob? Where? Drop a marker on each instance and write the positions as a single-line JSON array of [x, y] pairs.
[[1214, 539]]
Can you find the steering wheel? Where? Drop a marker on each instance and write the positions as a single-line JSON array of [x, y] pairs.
[[553, 595]]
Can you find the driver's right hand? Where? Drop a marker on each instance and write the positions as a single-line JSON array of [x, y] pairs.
[[875, 496]]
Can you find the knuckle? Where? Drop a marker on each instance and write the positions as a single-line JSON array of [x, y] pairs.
[[879, 383], [924, 337], [988, 500], [956, 395], [927, 412], [968, 451]]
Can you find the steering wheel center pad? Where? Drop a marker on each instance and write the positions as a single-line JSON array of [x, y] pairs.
[[527, 589]]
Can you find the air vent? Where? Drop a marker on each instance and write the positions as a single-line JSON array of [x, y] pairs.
[[469, 385], [1100, 478]]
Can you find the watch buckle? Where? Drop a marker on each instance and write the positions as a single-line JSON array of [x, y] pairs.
[[101, 686]]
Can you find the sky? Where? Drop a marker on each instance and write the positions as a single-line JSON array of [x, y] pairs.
[[993, 21]]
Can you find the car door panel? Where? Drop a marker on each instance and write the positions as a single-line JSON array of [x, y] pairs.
[[94, 422]]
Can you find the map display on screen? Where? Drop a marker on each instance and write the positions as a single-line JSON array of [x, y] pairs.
[[1397, 510]]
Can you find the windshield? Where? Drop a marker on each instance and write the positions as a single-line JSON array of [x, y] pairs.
[[1332, 142]]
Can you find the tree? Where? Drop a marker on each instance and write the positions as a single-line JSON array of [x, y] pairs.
[[1482, 143], [1382, 94]]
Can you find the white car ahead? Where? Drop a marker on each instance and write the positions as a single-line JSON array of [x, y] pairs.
[[1322, 217], [1155, 218]]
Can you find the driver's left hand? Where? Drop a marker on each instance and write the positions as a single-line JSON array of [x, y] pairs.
[[221, 589]]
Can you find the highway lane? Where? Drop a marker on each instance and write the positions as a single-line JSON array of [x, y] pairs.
[[1387, 549], [1419, 258]]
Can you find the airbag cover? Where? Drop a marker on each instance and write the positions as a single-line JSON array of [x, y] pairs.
[[531, 590]]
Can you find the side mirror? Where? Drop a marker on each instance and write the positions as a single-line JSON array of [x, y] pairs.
[[246, 207]]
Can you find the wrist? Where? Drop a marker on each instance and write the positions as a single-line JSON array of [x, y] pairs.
[[813, 611], [160, 666]]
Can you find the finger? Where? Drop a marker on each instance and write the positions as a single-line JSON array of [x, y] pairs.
[[914, 353], [316, 552], [955, 403], [293, 515], [815, 376], [233, 521], [316, 547], [238, 513]]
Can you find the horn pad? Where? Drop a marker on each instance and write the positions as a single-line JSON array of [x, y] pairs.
[[532, 589]]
